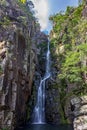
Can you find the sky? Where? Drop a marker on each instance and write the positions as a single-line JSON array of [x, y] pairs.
[[45, 8]]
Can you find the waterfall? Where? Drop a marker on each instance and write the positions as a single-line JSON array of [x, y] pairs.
[[39, 110]]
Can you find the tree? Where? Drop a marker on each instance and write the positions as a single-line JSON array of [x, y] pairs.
[[72, 68]]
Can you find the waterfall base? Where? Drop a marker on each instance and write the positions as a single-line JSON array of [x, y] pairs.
[[46, 127]]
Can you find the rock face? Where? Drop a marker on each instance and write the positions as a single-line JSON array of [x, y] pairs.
[[52, 104], [18, 60], [73, 110], [79, 105], [84, 13]]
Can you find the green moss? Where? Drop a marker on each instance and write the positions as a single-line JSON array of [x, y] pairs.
[[5, 21], [5, 129], [62, 114], [1, 70], [63, 98]]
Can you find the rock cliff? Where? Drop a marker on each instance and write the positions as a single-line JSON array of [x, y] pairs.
[[19, 39], [68, 37]]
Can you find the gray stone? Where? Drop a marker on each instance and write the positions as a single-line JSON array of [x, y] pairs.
[[80, 120], [75, 101]]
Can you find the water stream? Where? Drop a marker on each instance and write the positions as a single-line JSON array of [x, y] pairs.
[[39, 122], [39, 110]]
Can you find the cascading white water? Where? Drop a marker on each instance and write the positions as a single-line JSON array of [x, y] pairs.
[[39, 110]]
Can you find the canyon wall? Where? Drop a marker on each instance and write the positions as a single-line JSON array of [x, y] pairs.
[[20, 37], [69, 79]]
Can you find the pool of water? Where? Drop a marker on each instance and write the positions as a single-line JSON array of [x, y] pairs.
[[46, 127]]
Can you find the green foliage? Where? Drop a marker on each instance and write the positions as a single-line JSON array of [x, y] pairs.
[[72, 69], [23, 1], [22, 4], [64, 24], [5, 21], [70, 31], [4, 129]]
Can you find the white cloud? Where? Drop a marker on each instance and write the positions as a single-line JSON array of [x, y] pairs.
[[41, 8]]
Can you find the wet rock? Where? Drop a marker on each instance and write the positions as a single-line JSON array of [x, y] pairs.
[[52, 106]]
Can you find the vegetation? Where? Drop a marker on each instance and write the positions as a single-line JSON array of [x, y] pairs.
[[69, 42], [70, 32], [72, 68], [4, 129]]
